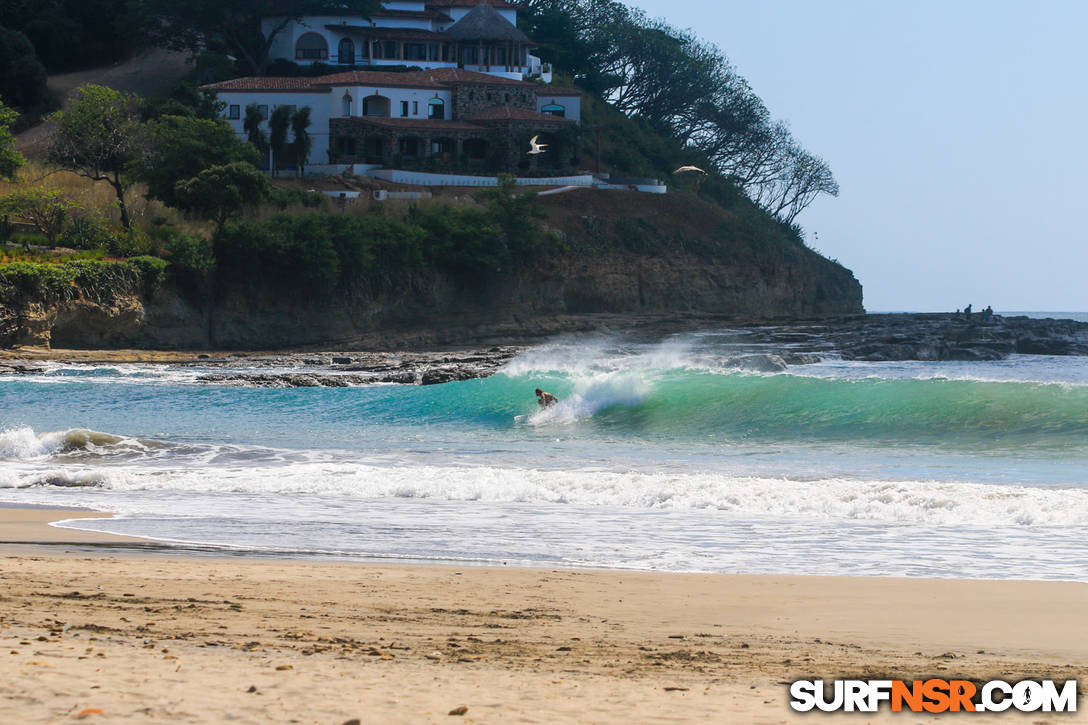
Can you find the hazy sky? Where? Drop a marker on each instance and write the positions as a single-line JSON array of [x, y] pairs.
[[958, 130]]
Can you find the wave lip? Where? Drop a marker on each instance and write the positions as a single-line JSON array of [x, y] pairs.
[[23, 444]]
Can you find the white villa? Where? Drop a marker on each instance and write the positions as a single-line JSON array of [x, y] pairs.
[[477, 35], [475, 104]]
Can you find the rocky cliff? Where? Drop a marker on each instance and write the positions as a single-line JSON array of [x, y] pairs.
[[630, 254]]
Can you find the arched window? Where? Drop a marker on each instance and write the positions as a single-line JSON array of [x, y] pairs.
[[311, 46], [436, 109], [554, 109], [345, 104], [376, 106], [346, 51]]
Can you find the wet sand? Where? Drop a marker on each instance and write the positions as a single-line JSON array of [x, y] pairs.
[[243, 639]]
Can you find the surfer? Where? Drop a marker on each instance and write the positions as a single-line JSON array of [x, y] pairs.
[[546, 400]]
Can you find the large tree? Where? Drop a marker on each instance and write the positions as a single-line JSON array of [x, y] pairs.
[[70, 34], [197, 24], [182, 146], [685, 90], [221, 192], [10, 159], [22, 76], [99, 136]]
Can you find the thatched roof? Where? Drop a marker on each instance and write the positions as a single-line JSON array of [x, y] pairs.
[[484, 22]]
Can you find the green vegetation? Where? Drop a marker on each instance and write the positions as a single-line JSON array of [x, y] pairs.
[[22, 76], [10, 159], [183, 146], [74, 34], [220, 192], [99, 137], [96, 281], [670, 84], [323, 254], [180, 199], [46, 209]]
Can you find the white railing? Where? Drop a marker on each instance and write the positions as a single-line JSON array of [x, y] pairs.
[[422, 178]]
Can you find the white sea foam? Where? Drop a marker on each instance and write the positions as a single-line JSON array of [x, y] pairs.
[[889, 502]]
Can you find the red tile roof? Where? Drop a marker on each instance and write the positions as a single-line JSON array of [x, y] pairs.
[[381, 79], [436, 78], [508, 113]]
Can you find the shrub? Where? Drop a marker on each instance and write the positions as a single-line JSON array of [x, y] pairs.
[[189, 252], [87, 232]]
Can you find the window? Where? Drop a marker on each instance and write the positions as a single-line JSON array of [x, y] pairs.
[[385, 49], [554, 109], [415, 51], [234, 112], [415, 108], [376, 106], [436, 109], [347, 51], [311, 46], [404, 108], [346, 146]]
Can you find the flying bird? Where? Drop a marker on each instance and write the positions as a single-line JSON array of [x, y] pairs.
[[537, 148], [689, 169]]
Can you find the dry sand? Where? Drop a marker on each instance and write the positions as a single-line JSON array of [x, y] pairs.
[[205, 640]]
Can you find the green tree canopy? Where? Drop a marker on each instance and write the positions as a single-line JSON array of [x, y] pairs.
[[47, 209], [683, 89], [181, 147], [278, 126], [99, 136], [303, 142], [221, 191], [197, 24], [70, 34], [10, 159], [22, 76]]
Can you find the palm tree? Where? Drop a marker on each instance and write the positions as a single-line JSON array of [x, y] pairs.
[[277, 135], [300, 124], [252, 125]]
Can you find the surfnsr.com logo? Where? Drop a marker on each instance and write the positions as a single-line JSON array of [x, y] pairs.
[[933, 696]]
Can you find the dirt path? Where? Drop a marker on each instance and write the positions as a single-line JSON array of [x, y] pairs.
[[146, 74]]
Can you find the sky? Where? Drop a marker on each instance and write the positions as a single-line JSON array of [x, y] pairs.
[[957, 129]]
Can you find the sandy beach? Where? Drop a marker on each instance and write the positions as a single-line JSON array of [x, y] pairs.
[[157, 638]]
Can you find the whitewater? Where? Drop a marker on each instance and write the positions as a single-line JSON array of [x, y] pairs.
[[659, 456]]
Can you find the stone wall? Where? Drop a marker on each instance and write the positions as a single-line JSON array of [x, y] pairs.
[[472, 99]]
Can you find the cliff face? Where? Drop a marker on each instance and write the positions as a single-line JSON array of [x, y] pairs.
[[653, 256]]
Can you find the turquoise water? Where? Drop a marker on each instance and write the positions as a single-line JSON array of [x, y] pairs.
[[658, 457]]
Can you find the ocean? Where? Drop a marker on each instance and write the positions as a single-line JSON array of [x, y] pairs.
[[659, 457]]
